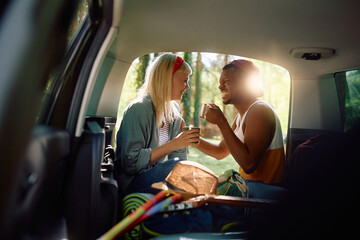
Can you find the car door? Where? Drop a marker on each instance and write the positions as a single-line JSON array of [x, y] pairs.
[[43, 81]]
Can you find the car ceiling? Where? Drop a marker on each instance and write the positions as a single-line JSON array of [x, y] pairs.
[[265, 30]]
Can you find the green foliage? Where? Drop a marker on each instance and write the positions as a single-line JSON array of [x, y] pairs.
[[143, 63], [352, 100], [186, 99], [275, 82], [197, 103], [129, 89], [218, 167]]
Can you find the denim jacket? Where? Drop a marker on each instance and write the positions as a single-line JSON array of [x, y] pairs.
[[137, 136]]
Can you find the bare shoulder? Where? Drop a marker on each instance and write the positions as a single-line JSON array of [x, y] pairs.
[[261, 113]]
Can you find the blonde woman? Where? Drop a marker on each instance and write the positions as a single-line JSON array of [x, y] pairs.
[[151, 127]]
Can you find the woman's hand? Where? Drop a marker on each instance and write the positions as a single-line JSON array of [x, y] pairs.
[[182, 140], [185, 139], [213, 114]]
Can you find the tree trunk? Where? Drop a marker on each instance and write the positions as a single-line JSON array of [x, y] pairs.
[[143, 63], [197, 103], [186, 99]]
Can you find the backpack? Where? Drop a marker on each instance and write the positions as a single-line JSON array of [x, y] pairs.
[[231, 183]]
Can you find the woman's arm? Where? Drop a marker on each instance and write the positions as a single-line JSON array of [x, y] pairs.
[[183, 140], [131, 150]]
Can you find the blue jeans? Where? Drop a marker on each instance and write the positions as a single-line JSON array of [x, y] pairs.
[[258, 189], [142, 182]]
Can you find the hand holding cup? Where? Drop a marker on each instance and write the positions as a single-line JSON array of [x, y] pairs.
[[212, 113], [194, 131]]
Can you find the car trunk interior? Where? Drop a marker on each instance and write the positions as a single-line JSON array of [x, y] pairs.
[[66, 158], [263, 32]]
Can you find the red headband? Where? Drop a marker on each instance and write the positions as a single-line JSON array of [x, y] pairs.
[[179, 61]]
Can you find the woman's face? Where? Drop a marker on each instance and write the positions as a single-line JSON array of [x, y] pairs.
[[180, 83]]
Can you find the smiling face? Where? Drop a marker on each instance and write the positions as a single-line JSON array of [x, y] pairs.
[[230, 86], [180, 83]]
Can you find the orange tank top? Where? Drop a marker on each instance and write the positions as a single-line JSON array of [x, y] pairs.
[[271, 167]]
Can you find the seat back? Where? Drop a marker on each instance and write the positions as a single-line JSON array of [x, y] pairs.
[[39, 202], [92, 192], [315, 159]]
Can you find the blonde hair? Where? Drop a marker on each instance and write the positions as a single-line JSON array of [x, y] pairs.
[[158, 82]]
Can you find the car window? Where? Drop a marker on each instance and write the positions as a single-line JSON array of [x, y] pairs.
[[52, 86], [274, 80], [348, 86], [204, 82]]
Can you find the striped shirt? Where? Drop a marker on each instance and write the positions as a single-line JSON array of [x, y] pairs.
[[164, 133]]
